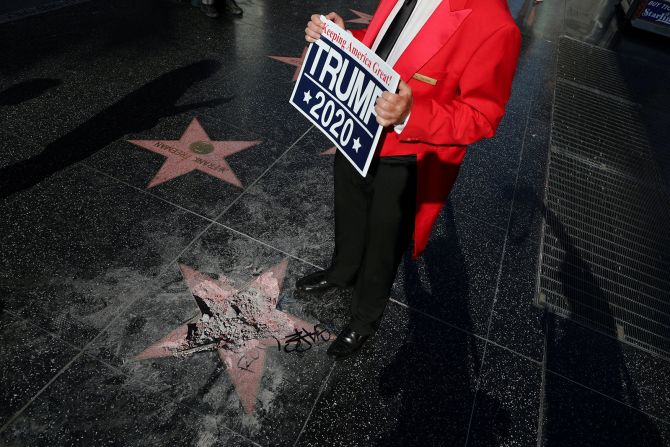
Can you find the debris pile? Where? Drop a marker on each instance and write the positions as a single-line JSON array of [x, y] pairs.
[[245, 316]]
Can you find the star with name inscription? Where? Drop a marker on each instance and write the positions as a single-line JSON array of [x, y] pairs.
[[241, 325], [194, 151]]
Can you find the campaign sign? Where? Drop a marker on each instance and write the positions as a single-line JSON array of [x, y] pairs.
[[337, 88]]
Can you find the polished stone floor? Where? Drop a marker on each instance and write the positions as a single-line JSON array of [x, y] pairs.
[[105, 239]]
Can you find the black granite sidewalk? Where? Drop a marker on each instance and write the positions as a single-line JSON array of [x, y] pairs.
[[105, 241]]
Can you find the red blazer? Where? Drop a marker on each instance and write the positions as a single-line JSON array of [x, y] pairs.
[[471, 48]]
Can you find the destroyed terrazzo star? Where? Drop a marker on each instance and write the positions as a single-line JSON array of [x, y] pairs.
[[239, 324]]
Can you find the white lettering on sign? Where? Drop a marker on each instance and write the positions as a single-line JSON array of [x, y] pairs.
[[334, 73]]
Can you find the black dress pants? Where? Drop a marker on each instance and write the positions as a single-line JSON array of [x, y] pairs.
[[374, 221]]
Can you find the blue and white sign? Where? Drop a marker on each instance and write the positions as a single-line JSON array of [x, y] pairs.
[[339, 82]]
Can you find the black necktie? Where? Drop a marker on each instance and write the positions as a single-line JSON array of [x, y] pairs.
[[394, 30]]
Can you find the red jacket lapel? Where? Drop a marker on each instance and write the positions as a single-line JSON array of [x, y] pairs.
[[458, 4], [439, 28], [383, 10]]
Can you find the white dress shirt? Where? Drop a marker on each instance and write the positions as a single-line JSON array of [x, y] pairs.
[[422, 12], [420, 15]]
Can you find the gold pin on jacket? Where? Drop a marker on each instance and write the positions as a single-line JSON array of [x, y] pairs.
[[426, 79]]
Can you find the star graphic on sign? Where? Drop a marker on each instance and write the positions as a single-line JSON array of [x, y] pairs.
[[363, 17], [194, 151], [357, 144], [307, 97], [239, 324], [295, 61]]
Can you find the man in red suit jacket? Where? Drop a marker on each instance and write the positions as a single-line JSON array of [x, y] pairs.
[[456, 59]]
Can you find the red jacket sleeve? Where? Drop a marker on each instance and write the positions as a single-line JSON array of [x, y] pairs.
[[485, 87], [358, 33]]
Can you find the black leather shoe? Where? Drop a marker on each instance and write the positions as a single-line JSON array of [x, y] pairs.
[[347, 343], [314, 282]]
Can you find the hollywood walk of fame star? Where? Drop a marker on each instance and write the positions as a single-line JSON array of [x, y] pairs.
[[295, 61], [308, 97], [239, 324], [194, 151], [363, 17]]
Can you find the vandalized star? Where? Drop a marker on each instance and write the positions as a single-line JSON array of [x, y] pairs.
[[295, 61], [194, 151], [240, 325]]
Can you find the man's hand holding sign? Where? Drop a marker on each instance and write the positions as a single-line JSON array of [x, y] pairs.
[[345, 90], [391, 109], [315, 25]]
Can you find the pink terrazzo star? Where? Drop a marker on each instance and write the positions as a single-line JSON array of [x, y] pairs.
[[295, 61], [251, 324], [194, 151], [363, 17], [329, 151]]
